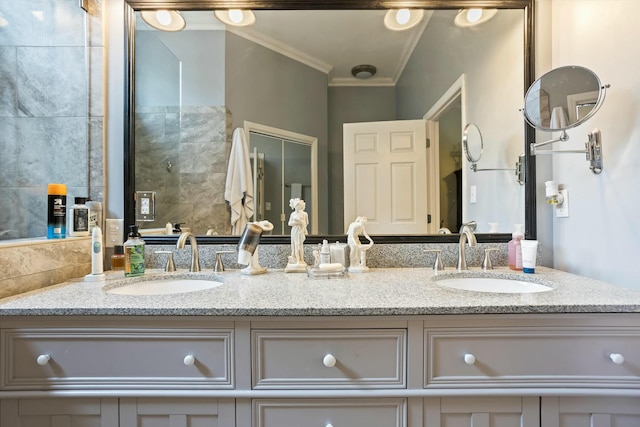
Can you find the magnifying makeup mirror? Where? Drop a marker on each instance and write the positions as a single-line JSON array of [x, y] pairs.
[[473, 145], [562, 99]]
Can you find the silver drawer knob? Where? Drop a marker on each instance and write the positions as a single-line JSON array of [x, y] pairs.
[[617, 358], [329, 361], [43, 359], [189, 360], [469, 359]]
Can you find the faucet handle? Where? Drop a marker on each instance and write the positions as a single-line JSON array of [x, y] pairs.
[[170, 265], [437, 265], [486, 263], [219, 266]]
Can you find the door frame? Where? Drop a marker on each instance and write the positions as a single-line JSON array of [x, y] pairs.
[[299, 138], [432, 117]]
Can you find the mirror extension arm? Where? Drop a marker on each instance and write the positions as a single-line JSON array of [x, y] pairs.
[[593, 149]]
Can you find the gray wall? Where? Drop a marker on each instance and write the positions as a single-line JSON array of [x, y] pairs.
[[51, 110]]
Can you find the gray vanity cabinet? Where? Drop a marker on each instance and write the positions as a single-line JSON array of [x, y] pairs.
[[554, 370]]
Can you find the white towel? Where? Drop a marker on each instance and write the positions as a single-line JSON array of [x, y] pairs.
[[296, 190], [239, 185], [559, 118]]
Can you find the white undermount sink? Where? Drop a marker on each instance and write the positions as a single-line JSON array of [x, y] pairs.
[[493, 285], [164, 287]]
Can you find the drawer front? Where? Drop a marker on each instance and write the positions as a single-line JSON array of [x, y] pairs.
[[364, 358], [98, 359], [330, 412], [532, 358]]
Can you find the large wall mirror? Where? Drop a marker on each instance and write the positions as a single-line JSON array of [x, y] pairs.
[[291, 82]]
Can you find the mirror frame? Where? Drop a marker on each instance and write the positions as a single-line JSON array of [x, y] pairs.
[[132, 6]]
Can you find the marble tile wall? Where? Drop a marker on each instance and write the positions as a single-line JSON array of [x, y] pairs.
[[51, 109], [196, 142]]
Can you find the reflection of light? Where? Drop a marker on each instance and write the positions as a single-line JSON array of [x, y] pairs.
[[403, 16], [402, 19], [235, 15], [473, 15], [3, 22], [38, 14], [163, 17]]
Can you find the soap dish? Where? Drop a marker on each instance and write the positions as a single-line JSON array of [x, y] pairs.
[[321, 273]]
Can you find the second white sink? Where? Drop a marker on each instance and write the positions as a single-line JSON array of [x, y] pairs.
[[493, 285], [164, 287]]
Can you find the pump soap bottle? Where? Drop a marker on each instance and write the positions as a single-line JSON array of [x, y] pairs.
[[134, 253], [514, 248]]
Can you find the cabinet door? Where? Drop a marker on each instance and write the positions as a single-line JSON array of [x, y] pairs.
[[59, 412], [591, 411], [482, 412], [177, 412]]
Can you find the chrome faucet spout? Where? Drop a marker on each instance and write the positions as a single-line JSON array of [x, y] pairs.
[[466, 236], [195, 258]]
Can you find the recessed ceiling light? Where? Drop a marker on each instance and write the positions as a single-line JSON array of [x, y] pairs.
[[471, 17], [164, 20], [403, 19], [235, 17], [364, 71]]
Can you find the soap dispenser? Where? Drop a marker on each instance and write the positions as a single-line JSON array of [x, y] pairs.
[[514, 248], [134, 253]]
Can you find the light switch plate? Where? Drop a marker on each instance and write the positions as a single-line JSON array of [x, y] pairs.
[[114, 233], [473, 191]]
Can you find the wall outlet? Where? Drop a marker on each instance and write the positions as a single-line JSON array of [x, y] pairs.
[[562, 211], [113, 233]]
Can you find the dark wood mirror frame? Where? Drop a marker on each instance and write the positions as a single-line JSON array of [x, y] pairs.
[[129, 145]]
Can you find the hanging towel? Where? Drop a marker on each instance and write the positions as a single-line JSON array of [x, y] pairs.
[[239, 185], [559, 118], [296, 190]]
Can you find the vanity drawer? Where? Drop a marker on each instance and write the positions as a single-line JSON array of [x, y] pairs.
[[326, 412], [532, 358], [116, 358], [361, 358]]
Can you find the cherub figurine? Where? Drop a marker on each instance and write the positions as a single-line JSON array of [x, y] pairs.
[[358, 257], [298, 221]]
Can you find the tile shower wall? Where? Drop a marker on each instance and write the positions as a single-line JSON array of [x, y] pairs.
[[181, 154], [51, 108]]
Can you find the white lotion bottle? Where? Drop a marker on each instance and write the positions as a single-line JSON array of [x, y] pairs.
[[97, 266]]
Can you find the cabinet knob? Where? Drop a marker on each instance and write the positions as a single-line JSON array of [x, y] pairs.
[[329, 361], [617, 358], [469, 359], [43, 359], [189, 360]]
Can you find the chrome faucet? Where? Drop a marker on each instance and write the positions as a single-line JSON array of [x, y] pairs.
[[195, 259], [466, 234]]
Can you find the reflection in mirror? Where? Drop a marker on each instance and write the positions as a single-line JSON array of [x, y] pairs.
[[282, 98], [472, 143], [562, 99]]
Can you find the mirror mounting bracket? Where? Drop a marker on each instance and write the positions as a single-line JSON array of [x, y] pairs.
[[593, 149], [519, 169]]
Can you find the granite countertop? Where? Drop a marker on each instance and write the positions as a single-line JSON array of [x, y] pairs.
[[401, 291]]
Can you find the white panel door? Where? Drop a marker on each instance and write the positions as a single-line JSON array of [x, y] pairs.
[[385, 176]]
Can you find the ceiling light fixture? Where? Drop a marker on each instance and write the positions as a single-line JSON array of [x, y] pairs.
[[403, 19], [235, 17], [471, 17], [164, 20], [364, 71]]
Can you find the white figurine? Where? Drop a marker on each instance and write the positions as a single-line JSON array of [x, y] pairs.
[[358, 251], [298, 222]]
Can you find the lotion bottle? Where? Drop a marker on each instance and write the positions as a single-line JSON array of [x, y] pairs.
[[515, 249], [134, 254]]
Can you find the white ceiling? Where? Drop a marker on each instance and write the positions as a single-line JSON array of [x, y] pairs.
[[332, 41]]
